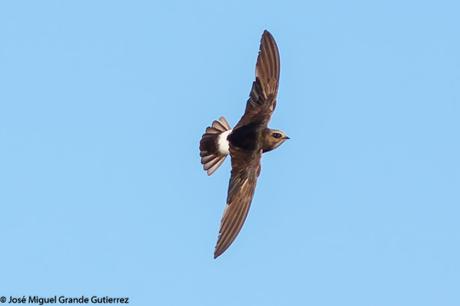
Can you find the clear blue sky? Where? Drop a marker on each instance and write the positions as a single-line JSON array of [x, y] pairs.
[[103, 103]]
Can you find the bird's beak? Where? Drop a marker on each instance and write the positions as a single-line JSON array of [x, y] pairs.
[[286, 137]]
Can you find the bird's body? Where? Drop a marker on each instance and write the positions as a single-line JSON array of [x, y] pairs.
[[245, 143], [223, 145]]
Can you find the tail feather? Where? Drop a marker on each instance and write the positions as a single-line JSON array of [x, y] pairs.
[[212, 165], [211, 158]]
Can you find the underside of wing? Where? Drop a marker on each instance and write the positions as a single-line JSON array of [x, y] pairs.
[[245, 169], [262, 98], [268, 65]]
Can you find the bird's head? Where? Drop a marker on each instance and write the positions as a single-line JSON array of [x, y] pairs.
[[273, 139]]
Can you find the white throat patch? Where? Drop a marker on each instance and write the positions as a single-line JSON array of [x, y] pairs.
[[222, 143]]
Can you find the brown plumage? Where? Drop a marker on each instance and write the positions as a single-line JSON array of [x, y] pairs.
[[211, 158], [246, 142]]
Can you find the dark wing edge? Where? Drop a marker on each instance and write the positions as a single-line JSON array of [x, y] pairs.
[[240, 193], [262, 98], [268, 65]]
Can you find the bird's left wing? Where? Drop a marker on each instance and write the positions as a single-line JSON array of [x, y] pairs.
[[245, 170]]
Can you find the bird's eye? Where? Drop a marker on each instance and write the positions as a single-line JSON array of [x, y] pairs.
[[277, 135]]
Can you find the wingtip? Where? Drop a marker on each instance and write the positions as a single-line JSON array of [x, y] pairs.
[[218, 250], [217, 254], [267, 33]]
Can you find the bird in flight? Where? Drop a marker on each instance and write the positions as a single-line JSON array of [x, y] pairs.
[[245, 143]]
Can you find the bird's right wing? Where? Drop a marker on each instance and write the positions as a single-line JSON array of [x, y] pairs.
[[262, 98]]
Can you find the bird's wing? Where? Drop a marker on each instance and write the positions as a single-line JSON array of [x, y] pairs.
[[245, 170], [262, 98]]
